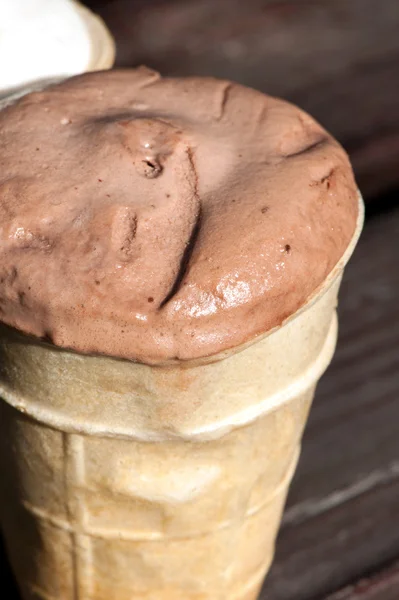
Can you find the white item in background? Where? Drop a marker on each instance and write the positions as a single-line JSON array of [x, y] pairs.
[[40, 39]]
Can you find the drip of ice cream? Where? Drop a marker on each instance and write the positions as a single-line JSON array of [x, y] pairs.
[[159, 219], [40, 39]]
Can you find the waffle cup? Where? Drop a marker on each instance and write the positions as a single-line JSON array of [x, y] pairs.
[[129, 481]]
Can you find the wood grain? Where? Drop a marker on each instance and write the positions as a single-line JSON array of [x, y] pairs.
[[383, 585], [338, 59]]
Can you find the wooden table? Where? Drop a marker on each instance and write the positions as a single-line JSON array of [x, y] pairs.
[[339, 59]]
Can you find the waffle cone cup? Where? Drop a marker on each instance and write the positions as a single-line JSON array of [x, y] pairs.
[[125, 481]]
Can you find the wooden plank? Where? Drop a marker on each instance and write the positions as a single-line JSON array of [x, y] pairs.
[[343, 509], [380, 586], [337, 547], [336, 58]]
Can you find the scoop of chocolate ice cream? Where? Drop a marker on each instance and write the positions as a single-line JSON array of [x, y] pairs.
[[155, 219]]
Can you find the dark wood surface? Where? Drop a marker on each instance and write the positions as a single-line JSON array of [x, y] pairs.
[[338, 59], [383, 585]]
